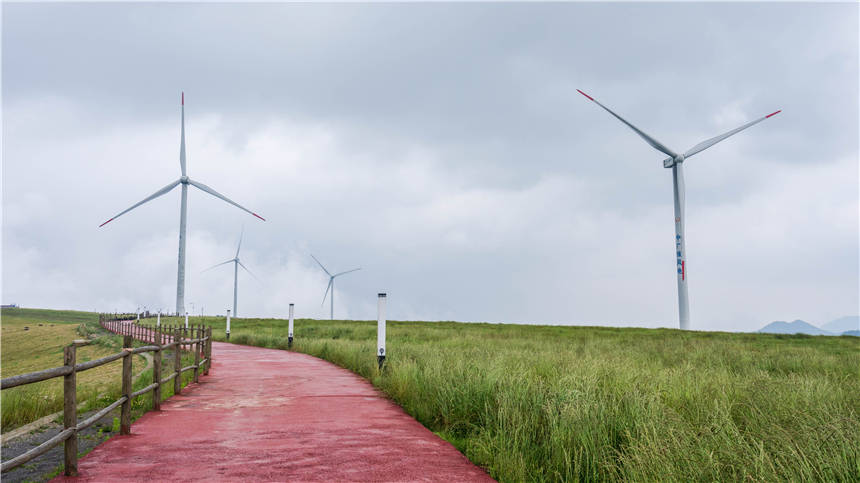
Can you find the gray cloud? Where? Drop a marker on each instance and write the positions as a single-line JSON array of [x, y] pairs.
[[444, 148]]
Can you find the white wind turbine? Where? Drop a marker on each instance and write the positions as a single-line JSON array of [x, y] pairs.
[[236, 263], [184, 181], [331, 284], [675, 161]]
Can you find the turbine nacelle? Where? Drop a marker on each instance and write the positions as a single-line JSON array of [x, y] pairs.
[[671, 162], [183, 179]]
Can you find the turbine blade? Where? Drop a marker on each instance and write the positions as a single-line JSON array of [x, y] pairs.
[[148, 198], [182, 138], [330, 280], [240, 241], [218, 265], [348, 271], [246, 269], [648, 139], [216, 194], [714, 140], [320, 264]]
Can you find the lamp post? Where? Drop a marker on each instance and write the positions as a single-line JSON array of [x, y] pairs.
[[290, 329], [380, 330], [228, 324]]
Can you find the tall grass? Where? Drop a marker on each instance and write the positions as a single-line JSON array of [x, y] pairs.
[[584, 403]]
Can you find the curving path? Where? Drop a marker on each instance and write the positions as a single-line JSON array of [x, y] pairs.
[[272, 415]]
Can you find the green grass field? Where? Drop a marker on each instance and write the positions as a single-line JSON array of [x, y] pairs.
[[539, 403], [40, 346], [542, 403]]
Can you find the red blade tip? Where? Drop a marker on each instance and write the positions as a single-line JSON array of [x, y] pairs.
[[258, 216], [183, 98], [773, 114], [584, 94], [105, 223]]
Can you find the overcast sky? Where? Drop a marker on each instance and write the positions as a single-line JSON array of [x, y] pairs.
[[444, 149]]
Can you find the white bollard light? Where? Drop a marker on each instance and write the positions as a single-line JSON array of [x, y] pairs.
[[186, 319], [228, 324], [380, 331], [290, 328]]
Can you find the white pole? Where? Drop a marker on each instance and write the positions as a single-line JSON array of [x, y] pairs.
[[186, 319], [180, 272], [235, 285], [680, 247], [228, 324], [158, 322], [380, 330], [183, 215], [290, 329]]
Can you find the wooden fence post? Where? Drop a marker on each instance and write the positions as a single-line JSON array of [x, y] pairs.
[[202, 346], [156, 372], [70, 412], [208, 350], [177, 363], [125, 416], [196, 335]]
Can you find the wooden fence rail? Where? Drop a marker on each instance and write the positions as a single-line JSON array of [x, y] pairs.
[[162, 337]]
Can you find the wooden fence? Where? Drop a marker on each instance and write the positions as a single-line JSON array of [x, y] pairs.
[[194, 338]]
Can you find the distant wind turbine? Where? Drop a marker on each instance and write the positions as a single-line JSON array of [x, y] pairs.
[[236, 264], [675, 161], [184, 181], [331, 284]]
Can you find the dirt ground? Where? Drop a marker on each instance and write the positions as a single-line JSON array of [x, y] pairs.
[[44, 467]]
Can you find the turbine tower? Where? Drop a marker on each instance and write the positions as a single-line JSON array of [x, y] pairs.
[[675, 161], [184, 180], [331, 284], [236, 263]]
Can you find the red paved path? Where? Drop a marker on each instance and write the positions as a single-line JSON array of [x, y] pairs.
[[264, 414]]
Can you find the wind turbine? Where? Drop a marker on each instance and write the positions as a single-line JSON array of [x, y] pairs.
[[331, 284], [675, 161], [236, 264], [184, 180]]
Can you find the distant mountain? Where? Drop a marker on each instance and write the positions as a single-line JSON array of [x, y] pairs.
[[843, 324], [855, 333], [796, 327]]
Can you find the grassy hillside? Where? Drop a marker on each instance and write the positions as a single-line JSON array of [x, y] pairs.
[[586, 403]]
